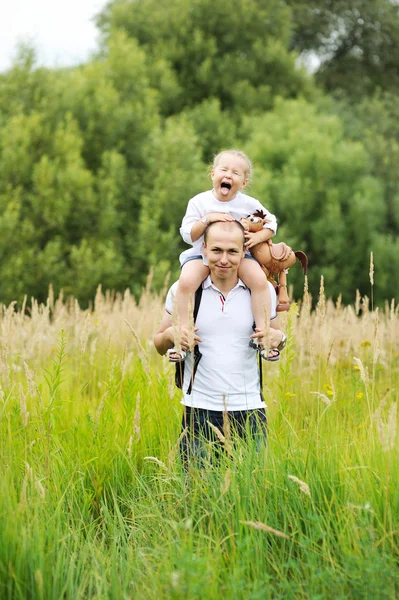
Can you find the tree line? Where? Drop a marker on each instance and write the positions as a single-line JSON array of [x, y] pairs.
[[98, 161]]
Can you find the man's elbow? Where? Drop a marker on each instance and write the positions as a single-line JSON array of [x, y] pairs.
[[159, 345]]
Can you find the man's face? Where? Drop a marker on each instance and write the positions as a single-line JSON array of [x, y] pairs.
[[224, 250], [229, 176]]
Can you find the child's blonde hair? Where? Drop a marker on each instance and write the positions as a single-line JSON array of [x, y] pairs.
[[240, 154]]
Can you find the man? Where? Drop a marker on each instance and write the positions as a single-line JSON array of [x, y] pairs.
[[227, 379]]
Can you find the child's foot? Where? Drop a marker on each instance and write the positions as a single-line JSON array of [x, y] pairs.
[[273, 354], [176, 356]]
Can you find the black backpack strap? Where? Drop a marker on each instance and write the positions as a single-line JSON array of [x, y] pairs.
[[260, 365]]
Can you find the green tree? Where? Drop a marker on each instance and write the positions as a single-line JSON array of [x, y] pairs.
[[237, 54], [318, 183], [357, 43]]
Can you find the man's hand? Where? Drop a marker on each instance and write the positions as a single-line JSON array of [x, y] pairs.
[[186, 337], [275, 337]]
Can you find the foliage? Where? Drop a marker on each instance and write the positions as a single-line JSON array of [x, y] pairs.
[[238, 56], [99, 161], [93, 499], [357, 43]]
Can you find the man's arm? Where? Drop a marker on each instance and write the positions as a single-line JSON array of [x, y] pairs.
[[164, 338]]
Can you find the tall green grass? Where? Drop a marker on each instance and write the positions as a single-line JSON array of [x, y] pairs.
[[94, 502]]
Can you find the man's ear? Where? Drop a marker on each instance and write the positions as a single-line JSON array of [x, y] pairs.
[[204, 246]]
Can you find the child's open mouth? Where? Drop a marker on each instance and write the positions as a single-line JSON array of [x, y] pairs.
[[225, 186]]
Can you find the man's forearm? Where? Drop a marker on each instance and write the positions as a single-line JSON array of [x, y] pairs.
[[163, 341]]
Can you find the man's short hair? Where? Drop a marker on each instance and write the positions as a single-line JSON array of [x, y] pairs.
[[226, 226]]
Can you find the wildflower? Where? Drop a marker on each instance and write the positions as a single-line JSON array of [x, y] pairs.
[[290, 395], [359, 395], [365, 344]]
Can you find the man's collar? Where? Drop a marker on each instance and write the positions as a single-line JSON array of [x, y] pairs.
[[209, 283]]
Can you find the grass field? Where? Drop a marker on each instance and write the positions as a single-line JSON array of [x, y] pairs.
[[93, 501]]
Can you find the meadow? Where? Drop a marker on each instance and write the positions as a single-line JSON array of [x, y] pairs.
[[94, 502]]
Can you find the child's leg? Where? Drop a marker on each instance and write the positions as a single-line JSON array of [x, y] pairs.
[[192, 274], [254, 278]]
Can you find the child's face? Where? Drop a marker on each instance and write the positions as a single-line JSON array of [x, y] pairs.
[[229, 176]]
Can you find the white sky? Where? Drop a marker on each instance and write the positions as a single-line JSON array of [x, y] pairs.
[[62, 31]]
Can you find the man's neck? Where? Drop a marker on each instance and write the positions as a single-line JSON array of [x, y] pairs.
[[225, 286]]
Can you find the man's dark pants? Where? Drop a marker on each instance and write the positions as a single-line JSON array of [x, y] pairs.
[[201, 443]]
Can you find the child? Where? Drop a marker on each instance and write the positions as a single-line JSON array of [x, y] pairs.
[[230, 175]]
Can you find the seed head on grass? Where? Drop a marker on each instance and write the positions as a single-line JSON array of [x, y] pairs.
[[386, 429], [175, 448], [321, 304], [371, 273], [22, 404], [137, 419], [226, 482], [226, 443], [141, 350], [85, 334], [364, 375], [323, 398], [156, 461], [302, 485], [263, 527], [32, 387]]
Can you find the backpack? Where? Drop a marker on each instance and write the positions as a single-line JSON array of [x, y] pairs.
[[179, 367]]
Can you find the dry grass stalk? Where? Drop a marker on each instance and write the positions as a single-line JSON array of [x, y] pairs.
[[175, 448], [226, 482], [364, 374], [141, 350], [263, 527], [137, 419], [321, 304], [32, 387], [386, 429], [157, 461], [85, 334], [371, 273], [323, 398], [100, 408], [23, 408], [302, 485], [221, 438]]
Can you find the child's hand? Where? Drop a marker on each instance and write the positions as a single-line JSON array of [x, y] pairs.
[[213, 217], [186, 338], [252, 239]]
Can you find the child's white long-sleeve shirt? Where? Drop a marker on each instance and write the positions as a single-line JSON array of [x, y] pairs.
[[204, 203]]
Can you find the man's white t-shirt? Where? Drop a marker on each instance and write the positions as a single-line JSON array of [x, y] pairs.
[[227, 377]]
